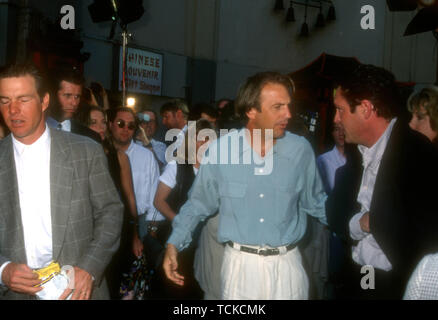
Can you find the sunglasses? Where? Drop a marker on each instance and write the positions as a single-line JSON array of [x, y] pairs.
[[122, 124]]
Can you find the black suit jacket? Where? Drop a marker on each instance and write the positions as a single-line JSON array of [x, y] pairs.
[[404, 206], [77, 128]]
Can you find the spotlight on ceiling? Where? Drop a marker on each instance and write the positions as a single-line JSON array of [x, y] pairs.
[[279, 5], [304, 30], [331, 15], [290, 16], [320, 22]]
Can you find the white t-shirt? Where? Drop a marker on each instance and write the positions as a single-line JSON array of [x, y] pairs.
[[168, 177]]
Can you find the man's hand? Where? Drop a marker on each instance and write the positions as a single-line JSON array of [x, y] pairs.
[[82, 287], [137, 246], [170, 265], [20, 278], [364, 222]]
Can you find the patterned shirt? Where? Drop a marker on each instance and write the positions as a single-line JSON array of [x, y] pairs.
[[423, 284]]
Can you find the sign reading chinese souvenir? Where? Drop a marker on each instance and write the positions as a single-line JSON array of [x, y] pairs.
[[143, 71]]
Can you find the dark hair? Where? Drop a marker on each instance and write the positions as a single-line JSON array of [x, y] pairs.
[[203, 107], [151, 110], [112, 113], [97, 89], [249, 93], [200, 125], [227, 112], [27, 69], [368, 82], [222, 100], [209, 110], [68, 74], [84, 114], [175, 105], [87, 96]]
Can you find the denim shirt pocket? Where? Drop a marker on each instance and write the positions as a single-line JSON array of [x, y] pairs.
[[233, 190], [233, 197]]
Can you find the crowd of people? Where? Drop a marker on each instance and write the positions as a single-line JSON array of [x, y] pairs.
[[250, 212]]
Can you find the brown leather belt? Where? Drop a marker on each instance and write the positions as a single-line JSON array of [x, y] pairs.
[[262, 252]]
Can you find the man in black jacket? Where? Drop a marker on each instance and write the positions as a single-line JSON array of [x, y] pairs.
[[66, 94], [381, 203]]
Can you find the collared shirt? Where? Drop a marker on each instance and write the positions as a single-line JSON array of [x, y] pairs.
[[145, 174], [158, 147], [160, 150], [32, 163], [254, 208], [328, 163], [65, 125], [368, 252]]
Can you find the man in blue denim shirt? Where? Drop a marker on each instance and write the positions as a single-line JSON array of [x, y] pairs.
[[264, 182]]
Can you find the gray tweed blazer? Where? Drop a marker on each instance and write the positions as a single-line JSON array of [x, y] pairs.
[[86, 209]]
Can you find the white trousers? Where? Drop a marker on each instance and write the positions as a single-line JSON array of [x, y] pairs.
[[247, 276]]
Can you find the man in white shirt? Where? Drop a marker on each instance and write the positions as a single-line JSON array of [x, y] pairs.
[[396, 220], [57, 199], [144, 167]]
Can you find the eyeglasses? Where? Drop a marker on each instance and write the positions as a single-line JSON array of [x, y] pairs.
[[122, 124]]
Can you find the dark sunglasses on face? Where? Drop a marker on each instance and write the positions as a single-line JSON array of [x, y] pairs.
[[122, 123]]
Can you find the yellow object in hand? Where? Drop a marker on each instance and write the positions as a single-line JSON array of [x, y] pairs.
[[47, 273]]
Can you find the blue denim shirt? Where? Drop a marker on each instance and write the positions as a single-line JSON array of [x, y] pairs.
[[254, 208]]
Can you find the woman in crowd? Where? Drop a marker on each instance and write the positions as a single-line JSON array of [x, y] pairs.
[[424, 108], [174, 185], [120, 169]]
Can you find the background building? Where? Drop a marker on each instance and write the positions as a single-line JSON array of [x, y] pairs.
[[208, 47]]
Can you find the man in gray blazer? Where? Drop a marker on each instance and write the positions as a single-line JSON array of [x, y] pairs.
[[57, 199]]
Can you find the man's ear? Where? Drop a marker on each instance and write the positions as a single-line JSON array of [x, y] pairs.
[[45, 101], [251, 113], [366, 108]]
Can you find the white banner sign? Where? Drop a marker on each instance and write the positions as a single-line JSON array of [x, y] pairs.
[[143, 71]]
